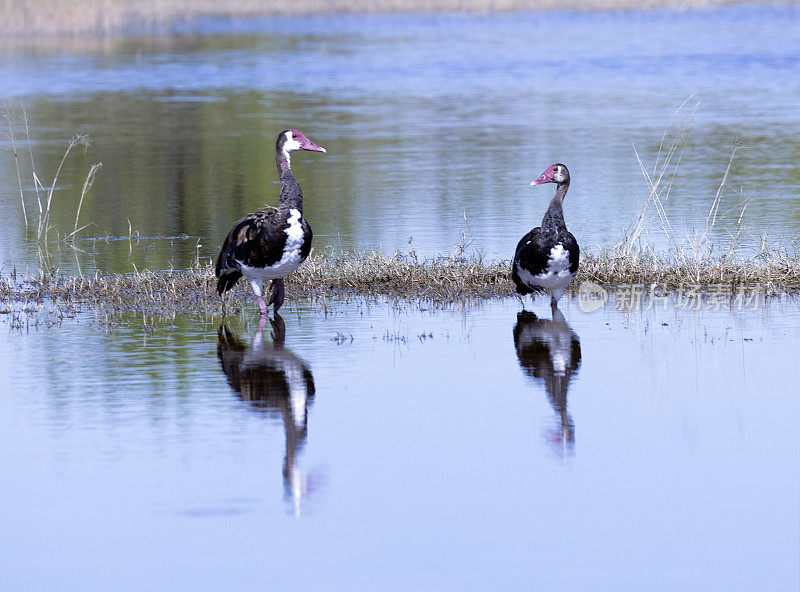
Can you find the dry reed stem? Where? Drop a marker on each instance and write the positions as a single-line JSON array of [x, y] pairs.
[[7, 114], [87, 184]]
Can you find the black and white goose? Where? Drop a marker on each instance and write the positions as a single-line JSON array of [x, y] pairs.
[[547, 257], [271, 243]]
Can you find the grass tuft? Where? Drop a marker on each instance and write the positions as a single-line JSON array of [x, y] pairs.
[[370, 274]]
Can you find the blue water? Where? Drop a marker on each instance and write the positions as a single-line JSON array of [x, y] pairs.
[[427, 119], [382, 446], [432, 451]]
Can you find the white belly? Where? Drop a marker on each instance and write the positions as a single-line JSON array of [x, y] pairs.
[[555, 277], [281, 269], [290, 260]]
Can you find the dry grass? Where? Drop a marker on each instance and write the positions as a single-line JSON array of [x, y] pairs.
[[443, 279], [370, 274], [691, 258], [773, 269], [106, 17], [16, 126]]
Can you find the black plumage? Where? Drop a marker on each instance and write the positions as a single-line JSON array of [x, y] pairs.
[[547, 258], [270, 243], [533, 253], [257, 240]]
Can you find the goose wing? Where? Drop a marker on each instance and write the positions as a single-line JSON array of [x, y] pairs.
[[257, 240]]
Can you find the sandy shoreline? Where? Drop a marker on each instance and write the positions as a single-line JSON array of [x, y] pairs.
[[108, 17]]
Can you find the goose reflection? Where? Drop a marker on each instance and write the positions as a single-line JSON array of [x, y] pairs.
[[273, 380], [550, 351]]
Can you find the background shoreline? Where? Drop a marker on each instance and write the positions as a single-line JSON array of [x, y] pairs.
[[34, 18]]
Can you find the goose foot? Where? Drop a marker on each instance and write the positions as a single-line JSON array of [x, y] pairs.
[[277, 293]]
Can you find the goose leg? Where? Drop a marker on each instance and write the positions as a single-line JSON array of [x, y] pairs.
[[277, 293], [257, 287], [553, 304], [262, 306]]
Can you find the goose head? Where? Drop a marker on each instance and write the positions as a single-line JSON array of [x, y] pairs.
[[291, 140], [556, 173]]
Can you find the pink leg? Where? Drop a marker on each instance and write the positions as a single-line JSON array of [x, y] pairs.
[[262, 306], [262, 322], [553, 303], [277, 293]]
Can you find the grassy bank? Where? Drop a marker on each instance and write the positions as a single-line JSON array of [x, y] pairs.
[[49, 17], [369, 274]]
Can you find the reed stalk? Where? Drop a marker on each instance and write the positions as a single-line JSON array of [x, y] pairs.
[[86, 186]]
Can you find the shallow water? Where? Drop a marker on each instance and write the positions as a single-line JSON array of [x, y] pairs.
[[427, 119], [401, 448], [362, 446]]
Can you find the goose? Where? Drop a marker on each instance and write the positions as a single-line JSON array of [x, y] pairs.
[[546, 259], [273, 242]]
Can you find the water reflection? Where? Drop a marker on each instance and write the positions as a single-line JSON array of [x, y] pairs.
[[272, 379], [375, 91], [550, 351]]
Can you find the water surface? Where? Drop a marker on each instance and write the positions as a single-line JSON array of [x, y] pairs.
[[427, 119], [399, 448], [365, 445]]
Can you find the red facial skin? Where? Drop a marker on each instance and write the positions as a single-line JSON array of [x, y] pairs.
[[305, 143], [546, 177]]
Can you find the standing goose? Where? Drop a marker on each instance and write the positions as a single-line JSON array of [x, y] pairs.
[[547, 257], [272, 243]]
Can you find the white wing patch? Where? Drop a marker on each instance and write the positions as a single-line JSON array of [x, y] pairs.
[[558, 261], [290, 260]]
